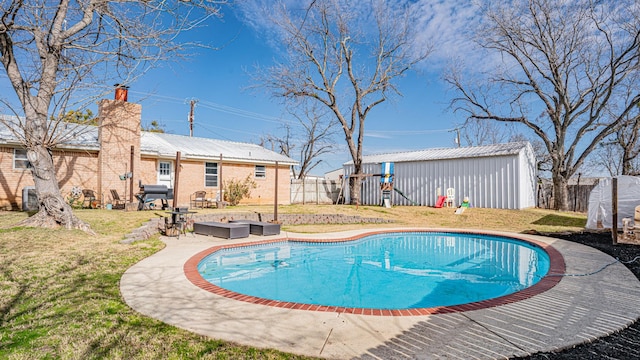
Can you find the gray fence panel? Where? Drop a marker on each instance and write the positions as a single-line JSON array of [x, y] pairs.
[[316, 191]]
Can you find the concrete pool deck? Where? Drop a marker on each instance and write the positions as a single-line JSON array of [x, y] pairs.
[[578, 309]]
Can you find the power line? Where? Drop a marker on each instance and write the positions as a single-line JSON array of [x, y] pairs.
[[272, 119], [224, 108]]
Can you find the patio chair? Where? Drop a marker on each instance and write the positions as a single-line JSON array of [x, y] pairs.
[[199, 199], [90, 200], [451, 197], [118, 203]]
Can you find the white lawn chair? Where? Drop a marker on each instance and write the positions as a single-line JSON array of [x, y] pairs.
[[451, 197]]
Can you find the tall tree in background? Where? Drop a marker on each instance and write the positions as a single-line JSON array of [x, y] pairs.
[[80, 117], [619, 154], [313, 140], [155, 127], [346, 56], [565, 68], [52, 50], [475, 132]]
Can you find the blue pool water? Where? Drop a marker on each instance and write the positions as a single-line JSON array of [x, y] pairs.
[[383, 271]]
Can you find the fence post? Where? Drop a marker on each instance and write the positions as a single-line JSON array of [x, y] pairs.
[[614, 210]]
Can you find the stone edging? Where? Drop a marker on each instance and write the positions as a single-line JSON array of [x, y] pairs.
[[151, 227]]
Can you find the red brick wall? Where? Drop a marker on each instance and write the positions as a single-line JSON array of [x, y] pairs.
[[265, 188], [73, 168], [120, 131], [192, 180], [78, 168]]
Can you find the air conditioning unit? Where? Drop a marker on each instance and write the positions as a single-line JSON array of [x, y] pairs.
[[29, 199]]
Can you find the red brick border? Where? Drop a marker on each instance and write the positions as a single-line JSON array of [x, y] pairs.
[[556, 268]]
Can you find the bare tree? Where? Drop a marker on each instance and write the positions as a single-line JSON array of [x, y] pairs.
[[313, 140], [52, 51], [619, 154], [346, 56], [316, 137], [477, 133], [282, 144], [627, 136], [606, 156], [563, 65]]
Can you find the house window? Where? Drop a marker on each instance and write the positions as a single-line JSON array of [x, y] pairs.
[[165, 169], [20, 160], [211, 174], [261, 172]]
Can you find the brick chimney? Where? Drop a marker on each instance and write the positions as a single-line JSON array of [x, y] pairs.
[[119, 130], [122, 92]]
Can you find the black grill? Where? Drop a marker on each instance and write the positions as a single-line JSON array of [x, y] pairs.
[[151, 193]]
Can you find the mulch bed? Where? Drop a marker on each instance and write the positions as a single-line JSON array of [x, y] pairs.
[[624, 344]]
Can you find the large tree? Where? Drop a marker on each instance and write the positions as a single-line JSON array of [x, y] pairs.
[[563, 69], [345, 55], [311, 138], [53, 51]]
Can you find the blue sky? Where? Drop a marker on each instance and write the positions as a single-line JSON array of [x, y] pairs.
[[227, 109]]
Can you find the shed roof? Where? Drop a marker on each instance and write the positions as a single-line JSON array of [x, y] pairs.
[[446, 153], [85, 137]]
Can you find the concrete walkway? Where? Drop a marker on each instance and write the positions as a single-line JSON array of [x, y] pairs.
[[578, 309]]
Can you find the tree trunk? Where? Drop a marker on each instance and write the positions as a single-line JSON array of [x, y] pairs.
[[560, 193], [53, 211], [355, 184]]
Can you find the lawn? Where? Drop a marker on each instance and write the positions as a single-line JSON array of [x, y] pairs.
[[59, 293]]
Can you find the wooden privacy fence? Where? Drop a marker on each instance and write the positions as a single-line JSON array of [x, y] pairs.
[[578, 195], [314, 191]]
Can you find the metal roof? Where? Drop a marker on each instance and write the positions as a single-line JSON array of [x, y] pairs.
[[166, 145], [71, 136], [446, 153], [85, 137]]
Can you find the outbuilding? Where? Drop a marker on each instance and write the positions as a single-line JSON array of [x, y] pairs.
[[500, 176]]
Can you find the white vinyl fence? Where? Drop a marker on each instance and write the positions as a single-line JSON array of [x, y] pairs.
[[314, 191]]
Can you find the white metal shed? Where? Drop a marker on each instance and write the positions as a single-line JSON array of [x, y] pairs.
[[501, 176]]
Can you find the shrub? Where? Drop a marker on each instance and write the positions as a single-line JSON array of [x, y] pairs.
[[236, 190]]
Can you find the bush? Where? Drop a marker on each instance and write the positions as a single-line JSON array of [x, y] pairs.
[[236, 190]]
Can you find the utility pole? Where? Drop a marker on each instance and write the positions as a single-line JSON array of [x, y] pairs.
[[457, 138], [192, 105]]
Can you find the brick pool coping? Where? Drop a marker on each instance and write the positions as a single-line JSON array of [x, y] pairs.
[[553, 277]]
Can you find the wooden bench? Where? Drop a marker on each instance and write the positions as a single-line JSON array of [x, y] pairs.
[[222, 230], [260, 228]]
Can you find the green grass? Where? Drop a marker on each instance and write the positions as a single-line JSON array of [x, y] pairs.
[[59, 289]]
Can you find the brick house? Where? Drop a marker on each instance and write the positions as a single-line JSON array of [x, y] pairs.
[[98, 157]]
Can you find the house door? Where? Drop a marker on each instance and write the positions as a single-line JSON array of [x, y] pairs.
[[165, 173]]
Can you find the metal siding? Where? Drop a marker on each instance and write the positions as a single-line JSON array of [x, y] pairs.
[[504, 181], [528, 178]]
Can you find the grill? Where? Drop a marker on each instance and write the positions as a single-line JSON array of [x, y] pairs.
[[150, 193]]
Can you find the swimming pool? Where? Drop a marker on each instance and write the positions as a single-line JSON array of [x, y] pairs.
[[391, 271]]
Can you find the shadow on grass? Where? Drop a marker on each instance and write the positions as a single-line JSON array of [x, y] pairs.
[[76, 310], [560, 220]]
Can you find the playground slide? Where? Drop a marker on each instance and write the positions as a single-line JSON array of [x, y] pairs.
[[440, 201], [405, 196]]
